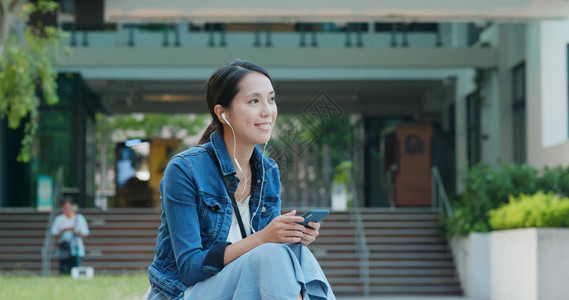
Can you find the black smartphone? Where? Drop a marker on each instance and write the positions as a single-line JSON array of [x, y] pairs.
[[313, 216]]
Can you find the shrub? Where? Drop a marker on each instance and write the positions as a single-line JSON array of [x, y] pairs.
[[487, 189], [537, 210]]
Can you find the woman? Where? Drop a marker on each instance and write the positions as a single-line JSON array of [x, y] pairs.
[[211, 248], [69, 228]]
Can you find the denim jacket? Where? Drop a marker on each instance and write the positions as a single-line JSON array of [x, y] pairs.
[[197, 213]]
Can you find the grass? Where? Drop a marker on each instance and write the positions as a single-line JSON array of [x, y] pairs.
[[104, 287]]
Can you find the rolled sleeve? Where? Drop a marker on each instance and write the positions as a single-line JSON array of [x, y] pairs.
[[179, 197], [214, 261]]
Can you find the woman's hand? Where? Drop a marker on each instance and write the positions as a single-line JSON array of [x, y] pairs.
[[283, 229], [310, 234]]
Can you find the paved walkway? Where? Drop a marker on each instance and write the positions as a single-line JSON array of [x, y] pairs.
[[407, 298], [389, 298]]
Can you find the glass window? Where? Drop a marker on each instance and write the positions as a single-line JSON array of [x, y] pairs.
[[473, 130], [55, 139], [519, 113]]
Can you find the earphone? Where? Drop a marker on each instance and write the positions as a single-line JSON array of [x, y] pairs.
[[261, 192], [235, 157], [234, 143], [239, 167]]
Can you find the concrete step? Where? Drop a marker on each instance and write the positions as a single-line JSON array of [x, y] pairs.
[[391, 264], [398, 281], [391, 272], [98, 265], [387, 256], [397, 290], [90, 255], [351, 248], [408, 240], [408, 256]]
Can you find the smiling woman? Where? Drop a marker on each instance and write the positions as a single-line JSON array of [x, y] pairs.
[[222, 233]]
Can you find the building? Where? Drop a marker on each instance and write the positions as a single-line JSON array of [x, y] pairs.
[[489, 78]]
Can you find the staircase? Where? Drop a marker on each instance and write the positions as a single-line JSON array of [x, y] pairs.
[[407, 254], [121, 241], [21, 239]]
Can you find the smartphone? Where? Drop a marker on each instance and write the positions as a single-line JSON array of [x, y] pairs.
[[313, 216]]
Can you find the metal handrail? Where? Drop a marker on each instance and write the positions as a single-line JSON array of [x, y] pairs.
[[440, 199], [360, 238], [46, 250]]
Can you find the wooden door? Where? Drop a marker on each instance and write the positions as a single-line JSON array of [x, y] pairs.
[[413, 176]]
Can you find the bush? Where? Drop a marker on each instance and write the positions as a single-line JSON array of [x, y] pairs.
[[537, 210], [487, 189]]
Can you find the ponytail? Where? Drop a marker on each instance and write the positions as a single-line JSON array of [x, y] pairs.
[[213, 126]]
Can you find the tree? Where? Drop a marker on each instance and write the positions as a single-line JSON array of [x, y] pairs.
[[27, 57]]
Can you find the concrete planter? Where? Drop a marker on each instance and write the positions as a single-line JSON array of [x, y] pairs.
[[529, 264], [472, 260], [519, 264]]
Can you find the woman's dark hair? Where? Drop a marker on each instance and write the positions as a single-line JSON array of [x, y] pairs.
[[222, 87], [66, 200]]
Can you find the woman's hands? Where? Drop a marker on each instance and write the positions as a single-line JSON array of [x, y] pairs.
[[310, 234], [283, 229]]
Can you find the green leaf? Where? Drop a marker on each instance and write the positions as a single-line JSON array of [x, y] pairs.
[[26, 64]]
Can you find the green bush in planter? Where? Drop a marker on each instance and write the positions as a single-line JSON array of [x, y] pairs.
[[537, 210], [554, 179], [487, 189]]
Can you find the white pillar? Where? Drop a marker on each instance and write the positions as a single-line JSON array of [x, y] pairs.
[[533, 94]]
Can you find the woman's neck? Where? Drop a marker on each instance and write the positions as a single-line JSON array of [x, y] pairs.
[[242, 152]]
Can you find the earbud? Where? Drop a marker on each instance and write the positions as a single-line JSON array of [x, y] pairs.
[[223, 116]]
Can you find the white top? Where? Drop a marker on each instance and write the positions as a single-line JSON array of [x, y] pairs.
[[76, 242], [234, 232]]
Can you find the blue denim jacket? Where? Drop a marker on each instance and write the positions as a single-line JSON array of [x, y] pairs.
[[197, 213]]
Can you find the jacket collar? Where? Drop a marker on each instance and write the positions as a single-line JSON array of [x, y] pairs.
[[225, 162]]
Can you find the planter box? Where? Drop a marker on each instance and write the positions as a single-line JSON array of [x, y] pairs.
[[472, 259], [529, 264]]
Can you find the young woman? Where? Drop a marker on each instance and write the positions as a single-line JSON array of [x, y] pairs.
[[69, 228], [222, 234]]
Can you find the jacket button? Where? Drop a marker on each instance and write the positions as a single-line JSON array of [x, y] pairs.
[[264, 209], [214, 208], [259, 180]]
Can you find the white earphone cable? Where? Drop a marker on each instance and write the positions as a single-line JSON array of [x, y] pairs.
[[239, 167], [235, 158], [262, 182]]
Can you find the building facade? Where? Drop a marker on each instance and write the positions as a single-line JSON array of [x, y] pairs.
[[489, 79]]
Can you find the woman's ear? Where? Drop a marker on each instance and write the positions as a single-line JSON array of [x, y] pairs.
[[220, 112]]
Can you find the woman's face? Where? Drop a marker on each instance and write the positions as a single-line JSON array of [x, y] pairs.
[[253, 110], [67, 208]]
